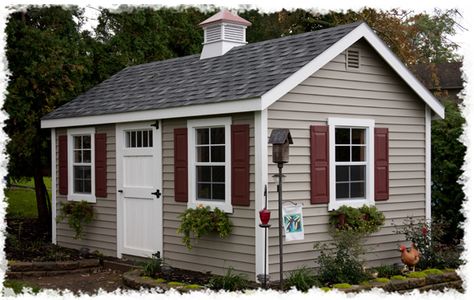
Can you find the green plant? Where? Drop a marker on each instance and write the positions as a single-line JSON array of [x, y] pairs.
[[17, 286], [339, 261], [433, 272], [382, 280], [365, 220], [387, 270], [342, 286], [78, 214], [153, 265], [193, 286], [175, 284], [398, 277], [228, 282], [302, 278], [428, 239], [447, 156], [160, 280], [416, 275], [201, 221], [326, 288]]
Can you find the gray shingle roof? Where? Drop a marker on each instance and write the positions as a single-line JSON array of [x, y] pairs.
[[244, 72]]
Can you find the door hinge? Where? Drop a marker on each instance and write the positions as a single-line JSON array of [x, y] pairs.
[[156, 124], [157, 193]]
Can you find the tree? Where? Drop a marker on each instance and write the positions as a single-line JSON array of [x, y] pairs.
[[47, 60], [447, 156]]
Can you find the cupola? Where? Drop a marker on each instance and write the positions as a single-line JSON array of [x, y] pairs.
[[222, 32]]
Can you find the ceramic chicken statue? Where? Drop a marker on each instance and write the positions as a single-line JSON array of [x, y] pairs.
[[410, 257]]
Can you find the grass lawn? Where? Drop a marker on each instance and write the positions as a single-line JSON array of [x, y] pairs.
[[18, 285], [22, 201]]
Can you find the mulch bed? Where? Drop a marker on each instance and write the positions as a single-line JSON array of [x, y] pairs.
[[27, 240], [185, 276]]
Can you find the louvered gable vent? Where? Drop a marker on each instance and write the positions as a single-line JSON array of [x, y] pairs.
[[352, 59]]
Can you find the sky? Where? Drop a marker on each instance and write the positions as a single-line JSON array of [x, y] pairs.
[[464, 38]]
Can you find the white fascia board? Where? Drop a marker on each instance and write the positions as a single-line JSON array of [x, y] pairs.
[[225, 107], [362, 31]]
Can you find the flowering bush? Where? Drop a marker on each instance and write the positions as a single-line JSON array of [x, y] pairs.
[[427, 238]]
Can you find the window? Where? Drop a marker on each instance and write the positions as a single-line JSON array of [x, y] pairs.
[[81, 164], [209, 163], [139, 138], [351, 162]]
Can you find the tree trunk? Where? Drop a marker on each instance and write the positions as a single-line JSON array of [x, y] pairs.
[[44, 214]]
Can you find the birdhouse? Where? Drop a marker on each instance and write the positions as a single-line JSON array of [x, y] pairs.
[[280, 140]]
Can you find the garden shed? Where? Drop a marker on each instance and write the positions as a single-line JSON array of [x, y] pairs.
[[158, 138]]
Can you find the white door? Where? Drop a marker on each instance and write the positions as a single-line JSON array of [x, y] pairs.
[[139, 188]]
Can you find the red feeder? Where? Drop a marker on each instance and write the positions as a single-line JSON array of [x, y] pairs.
[[264, 216]]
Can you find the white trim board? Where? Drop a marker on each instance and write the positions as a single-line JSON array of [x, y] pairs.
[[261, 178], [226, 107], [427, 163], [361, 31], [53, 186]]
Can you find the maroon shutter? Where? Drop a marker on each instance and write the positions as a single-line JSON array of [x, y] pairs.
[[381, 163], [181, 164], [62, 161], [100, 165], [240, 144], [319, 164]]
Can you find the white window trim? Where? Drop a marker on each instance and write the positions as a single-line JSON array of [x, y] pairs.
[[192, 125], [353, 123], [70, 155]]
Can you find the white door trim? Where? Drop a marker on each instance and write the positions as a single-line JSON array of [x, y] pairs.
[[157, 140]]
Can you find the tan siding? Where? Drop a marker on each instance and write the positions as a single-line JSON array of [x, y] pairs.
[[373, 92], [101, 234], [209, 253]]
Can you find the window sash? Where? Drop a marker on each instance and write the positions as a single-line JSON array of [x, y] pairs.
[[364, 140]]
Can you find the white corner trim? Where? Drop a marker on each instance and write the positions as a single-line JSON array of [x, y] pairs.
[[119, 185], [225, 206], [225, 107], [71, 196], [53, 186], [362, 31], [369, 125], [261, 178], [428, 163]]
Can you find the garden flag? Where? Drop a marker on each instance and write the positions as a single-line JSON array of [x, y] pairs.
[[293, 222]]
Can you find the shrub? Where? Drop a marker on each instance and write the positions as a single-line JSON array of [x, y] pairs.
[[339, 261], [302, 278], [201, 221], [78, 214], [340, 264], [193, 286], [153, 266], [229, 282], [447, 156], [427, 238], [326, 288], [398, 277]]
